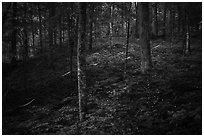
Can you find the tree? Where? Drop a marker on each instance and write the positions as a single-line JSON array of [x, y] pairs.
[[25, 44], [81, 59], [186, 30], [5, 13], [137, 20], [127, 40], [51, 30], [14, 33], [111, 25], [40, 28], [71, 37], [164, 21], [155, 19], [91, 13], [144, 37], [122, 21], [32, 29], [172, 15], [60, 25]]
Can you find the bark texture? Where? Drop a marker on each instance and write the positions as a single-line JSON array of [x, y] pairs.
[[81, 60], [144, 37]]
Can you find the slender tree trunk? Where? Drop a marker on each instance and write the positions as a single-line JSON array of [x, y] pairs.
[[168, 22], [152, 20], [32, 33], [187, 33], [54, 28], [164, 21], [179, 20], [91, 25], [171, 25], [50, 31], [55, 37], [14, 34], [25, 44], [187, 48], [60, 29], [127, 42], [122, 22], [33, 37], [91, 36], [40, 29], [5, 14], [81, 60], [25, 33], [137, 20], [93, 29], [156, 21], [71, 40], [50, 34], [63, 34], [111, 26], [183, 33], [76, 29], [144, 37], [62, 25]]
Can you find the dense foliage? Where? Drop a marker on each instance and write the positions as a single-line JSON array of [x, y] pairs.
[[101, 68]]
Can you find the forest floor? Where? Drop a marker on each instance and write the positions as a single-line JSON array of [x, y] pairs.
[[167, 100]]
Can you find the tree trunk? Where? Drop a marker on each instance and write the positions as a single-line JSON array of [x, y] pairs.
[[137, 20], [55, 37], [40, 29], [33, 38], [63, 28], [14, 34], [164, 21], [152, 20], [60, 29], [127, 41], [168, 22], [71, 40], [25, 44], [172, 15], [32, 33], [63, 34], [5, 14], [25, 33], [91, 25], [81, 59], [122, 22], [179, 20], [144, 37], [187, 32], [156, 21], [111, 26], [51, 32]]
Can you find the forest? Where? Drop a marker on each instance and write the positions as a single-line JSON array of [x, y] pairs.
[[101, 68]]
